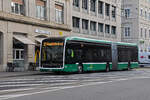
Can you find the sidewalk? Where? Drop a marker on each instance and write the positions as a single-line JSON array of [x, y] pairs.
[[17, 74]]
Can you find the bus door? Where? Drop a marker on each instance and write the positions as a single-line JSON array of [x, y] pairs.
[[114, 56]]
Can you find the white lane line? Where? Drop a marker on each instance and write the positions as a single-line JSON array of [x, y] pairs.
[[25, 85], [45, 91], [15, 90], [20, 85], [34, 82], [67, 87]]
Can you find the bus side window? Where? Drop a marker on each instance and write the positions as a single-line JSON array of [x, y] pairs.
[[88, 55]]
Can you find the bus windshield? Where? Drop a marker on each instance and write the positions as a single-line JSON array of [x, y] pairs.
[[52, 54]]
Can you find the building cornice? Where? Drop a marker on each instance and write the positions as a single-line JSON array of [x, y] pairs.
[[32, 21]]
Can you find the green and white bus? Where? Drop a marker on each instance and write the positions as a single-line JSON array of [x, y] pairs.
[[77, 54]]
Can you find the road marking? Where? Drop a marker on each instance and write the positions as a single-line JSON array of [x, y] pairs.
[[67, 87], [20, 85], [15, 90], [34, 82]]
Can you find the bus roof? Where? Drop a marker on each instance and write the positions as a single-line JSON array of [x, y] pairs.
[[88, 40], [125, 43], [100, 41], [93, 40]]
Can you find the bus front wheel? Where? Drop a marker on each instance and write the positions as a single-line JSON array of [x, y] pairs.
[[80, 69]]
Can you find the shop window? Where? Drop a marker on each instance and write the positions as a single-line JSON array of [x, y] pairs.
[[59, 13], [41, 9], [18, 54], [17, 7]]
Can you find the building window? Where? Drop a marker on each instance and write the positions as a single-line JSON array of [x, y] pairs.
[[127, 13], [76, 22], [149, 16], [145, 33], [17, 7], [149, 33], [107, 9], [113, 12], [41, 9], [18, 54], [100, 27], [93, 26], [113, 30], [127, 31], [141, 32], [141, 12], [107, 29], [85, 4], [59, 13], [145, 15], [93, 5], [85, 24], [100, 7], [76, 3]]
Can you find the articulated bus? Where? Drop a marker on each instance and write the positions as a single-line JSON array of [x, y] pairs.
[[77, 54]]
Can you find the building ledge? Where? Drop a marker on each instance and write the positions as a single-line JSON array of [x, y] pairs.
[[32, 21]]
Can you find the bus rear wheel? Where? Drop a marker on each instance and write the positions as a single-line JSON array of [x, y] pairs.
[[80, 69], [129, 68]]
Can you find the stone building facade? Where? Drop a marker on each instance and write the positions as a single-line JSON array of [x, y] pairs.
[[97, 19], [136, 23], [24, 23]]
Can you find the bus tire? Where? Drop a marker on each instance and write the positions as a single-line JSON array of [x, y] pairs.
[[129, 68], [80, 69], [107, 68], [129, 65]]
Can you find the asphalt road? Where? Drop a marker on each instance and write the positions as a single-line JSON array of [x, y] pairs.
[[118, 85], [136, 89]]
